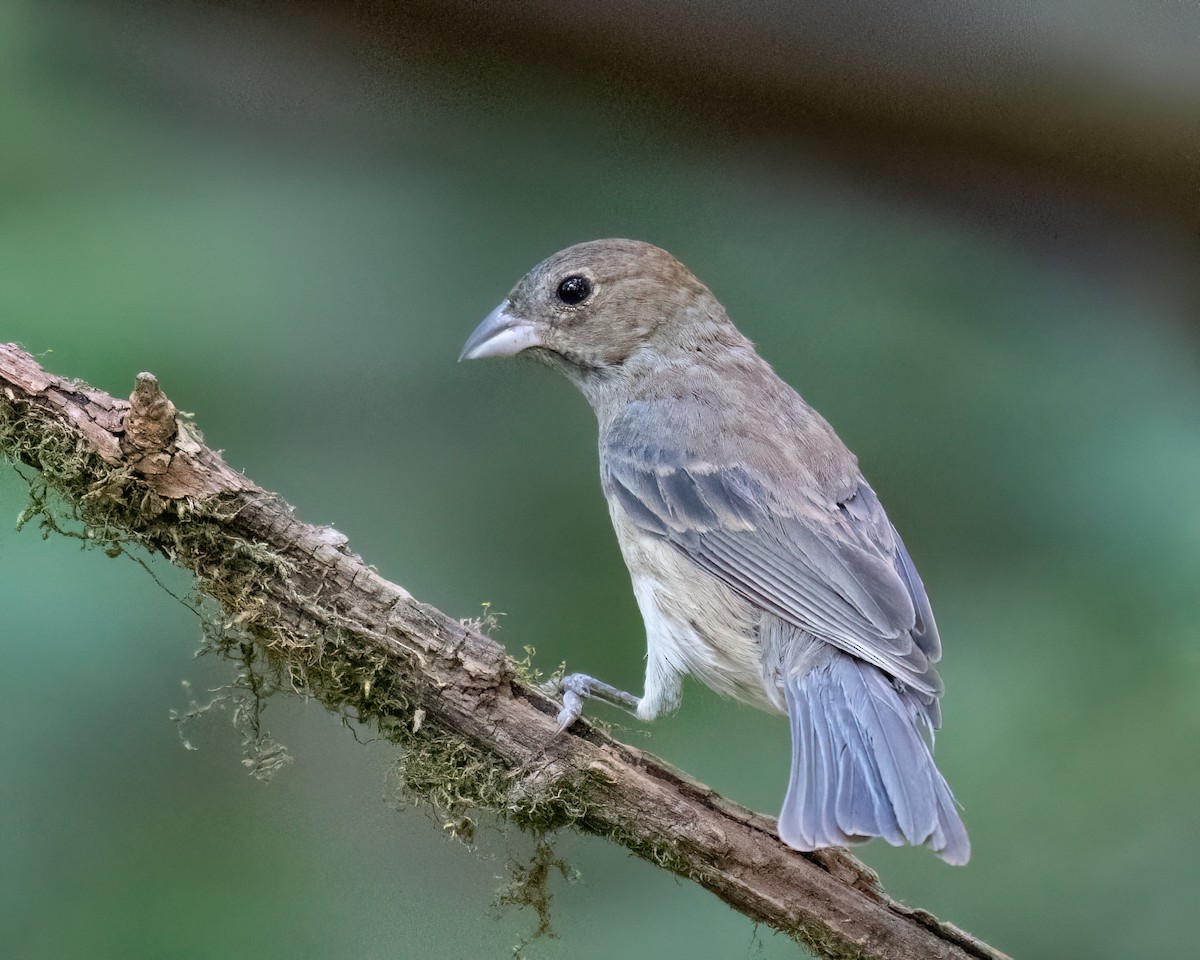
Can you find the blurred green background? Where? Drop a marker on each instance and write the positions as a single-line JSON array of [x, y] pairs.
[[969, 239]]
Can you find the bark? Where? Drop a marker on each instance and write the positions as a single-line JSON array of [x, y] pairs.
[[475, 730]]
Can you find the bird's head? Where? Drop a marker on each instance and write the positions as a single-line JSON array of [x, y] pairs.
[[592, 307]]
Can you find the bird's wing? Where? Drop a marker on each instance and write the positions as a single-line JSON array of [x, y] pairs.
[[841, 573]]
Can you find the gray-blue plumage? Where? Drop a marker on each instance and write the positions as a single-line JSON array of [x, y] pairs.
[[860, 767], [762, 561], [848, 581]]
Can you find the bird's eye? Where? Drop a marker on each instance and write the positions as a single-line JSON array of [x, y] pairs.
[[574, 290]]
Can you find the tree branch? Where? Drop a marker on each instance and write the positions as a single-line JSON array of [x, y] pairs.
[[474, 732]]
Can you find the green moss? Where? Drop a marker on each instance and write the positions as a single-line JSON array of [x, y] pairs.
[[529, 887]]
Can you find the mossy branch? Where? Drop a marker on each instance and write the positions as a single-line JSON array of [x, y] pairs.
[[474, 734]]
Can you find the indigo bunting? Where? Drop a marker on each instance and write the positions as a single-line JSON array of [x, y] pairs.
[[762, 561]]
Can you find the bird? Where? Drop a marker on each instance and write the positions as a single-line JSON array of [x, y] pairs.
[[761, 560]]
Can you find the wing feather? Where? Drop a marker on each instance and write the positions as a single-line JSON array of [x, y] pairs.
[[840, 572]]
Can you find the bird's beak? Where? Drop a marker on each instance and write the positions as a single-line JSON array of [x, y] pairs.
[[500, 335]]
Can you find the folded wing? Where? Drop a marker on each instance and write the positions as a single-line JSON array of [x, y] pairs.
[[837, 570]]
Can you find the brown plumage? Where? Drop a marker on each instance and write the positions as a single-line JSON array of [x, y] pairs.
[[761, 559]]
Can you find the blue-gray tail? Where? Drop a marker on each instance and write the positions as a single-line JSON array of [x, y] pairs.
[[860, 767]]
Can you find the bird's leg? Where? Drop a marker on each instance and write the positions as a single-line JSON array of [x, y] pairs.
[[577, 686]]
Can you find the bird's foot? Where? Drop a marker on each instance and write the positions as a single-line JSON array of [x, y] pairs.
[[575, 687]]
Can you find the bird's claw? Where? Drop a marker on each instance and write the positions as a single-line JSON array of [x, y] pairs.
[[576, 687], [572, 710]]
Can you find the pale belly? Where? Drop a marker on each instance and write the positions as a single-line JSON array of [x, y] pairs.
[[695, 625]]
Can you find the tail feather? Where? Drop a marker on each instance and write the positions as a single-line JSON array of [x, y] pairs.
[[861, 799], [825, 762], [894, 746], [950, 839], [860, 767], [807, 793]]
